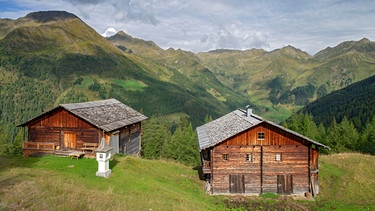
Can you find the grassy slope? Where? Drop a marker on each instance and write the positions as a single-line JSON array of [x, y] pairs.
[[136, 184], [347, 182], [50, 183]]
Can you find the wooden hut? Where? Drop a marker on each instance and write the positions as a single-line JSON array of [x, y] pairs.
[[244, 154], [80, 127]]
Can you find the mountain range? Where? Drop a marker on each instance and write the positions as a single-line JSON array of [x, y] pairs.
[[53, 57]]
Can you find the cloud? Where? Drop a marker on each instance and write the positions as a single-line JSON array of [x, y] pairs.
[[109, 32]]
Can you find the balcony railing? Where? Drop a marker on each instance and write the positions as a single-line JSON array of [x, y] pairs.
[[206, 167], [38, 145]]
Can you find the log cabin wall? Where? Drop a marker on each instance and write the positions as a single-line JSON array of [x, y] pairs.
[[60, 125], [261, 164], [236, 164], [314, 154], [130, 139]]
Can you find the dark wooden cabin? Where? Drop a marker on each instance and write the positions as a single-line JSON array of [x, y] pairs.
[[244, 154], [80, 126]]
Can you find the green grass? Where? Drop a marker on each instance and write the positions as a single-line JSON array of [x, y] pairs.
[[130, 85], [66, 184], [347, 182], [55, 183]]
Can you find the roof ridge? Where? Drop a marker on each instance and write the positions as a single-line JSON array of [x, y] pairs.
[[89, 104]]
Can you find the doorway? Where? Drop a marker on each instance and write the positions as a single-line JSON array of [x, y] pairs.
[[236, 183], [285, 184], [70, 140]]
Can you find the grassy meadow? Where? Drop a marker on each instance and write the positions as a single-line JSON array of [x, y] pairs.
[[57, 183]]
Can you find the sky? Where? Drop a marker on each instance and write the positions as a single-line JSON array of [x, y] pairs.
[[203, 25]]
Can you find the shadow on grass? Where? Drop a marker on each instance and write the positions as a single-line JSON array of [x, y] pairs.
[[113, 161], [200, 172]]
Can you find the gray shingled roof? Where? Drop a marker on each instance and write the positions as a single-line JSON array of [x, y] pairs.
[[107, 115], [231, 124]]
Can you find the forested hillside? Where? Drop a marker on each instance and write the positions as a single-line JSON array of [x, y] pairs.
[[343, 120], [356, 102]]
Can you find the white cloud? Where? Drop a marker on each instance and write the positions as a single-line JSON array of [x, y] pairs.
[[109, 32]]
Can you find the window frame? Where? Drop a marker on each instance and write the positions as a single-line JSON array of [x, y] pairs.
[[261, 135], [249, 157], [225, 156], [278, 157]]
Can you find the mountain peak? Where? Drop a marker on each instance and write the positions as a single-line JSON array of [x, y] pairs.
[[291, 52], [47, 16], [362, 46], [121, 36], [364, 40]]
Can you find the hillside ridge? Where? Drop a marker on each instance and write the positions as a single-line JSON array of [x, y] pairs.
[[48, 16]]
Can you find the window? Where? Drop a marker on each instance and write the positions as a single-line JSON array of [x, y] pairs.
[[278, 157], [261, 136], [248, 158], [225, 156]]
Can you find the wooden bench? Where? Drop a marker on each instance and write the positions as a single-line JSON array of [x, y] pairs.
[[89, 146], [76, 154]]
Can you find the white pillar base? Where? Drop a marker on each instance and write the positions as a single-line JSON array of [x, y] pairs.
[[104, 174]]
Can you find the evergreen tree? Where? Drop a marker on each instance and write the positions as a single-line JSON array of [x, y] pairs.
[[207, 119], [155, 135], [17, 143], [183, 146], [303, 124], [343, 137], [333, 136], [349, 134], [5, 143], [367, 144], [309, 128], [322, 138]]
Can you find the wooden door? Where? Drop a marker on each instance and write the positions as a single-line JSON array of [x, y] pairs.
[[284, 184], [236, 183], [115, 143], [70, 140]]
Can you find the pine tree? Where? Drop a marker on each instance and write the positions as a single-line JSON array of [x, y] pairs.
[[349, 134], [333, 136], [367, 144], [343, 137], [303, 124], [183, 145], [322, 138], [155, 135], [5, 143], [17, 143], [207, 119]]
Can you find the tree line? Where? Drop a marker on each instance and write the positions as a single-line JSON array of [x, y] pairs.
[[339, 136]]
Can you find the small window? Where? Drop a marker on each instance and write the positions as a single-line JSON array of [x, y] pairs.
[[278, 157], [261, 136], [225, 156], [248, 158]]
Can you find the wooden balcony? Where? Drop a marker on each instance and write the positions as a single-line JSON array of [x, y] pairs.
[[45, 146], [206, 167]]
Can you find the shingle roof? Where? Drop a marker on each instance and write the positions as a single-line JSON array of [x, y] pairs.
[[231, 124], [107, 115]]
